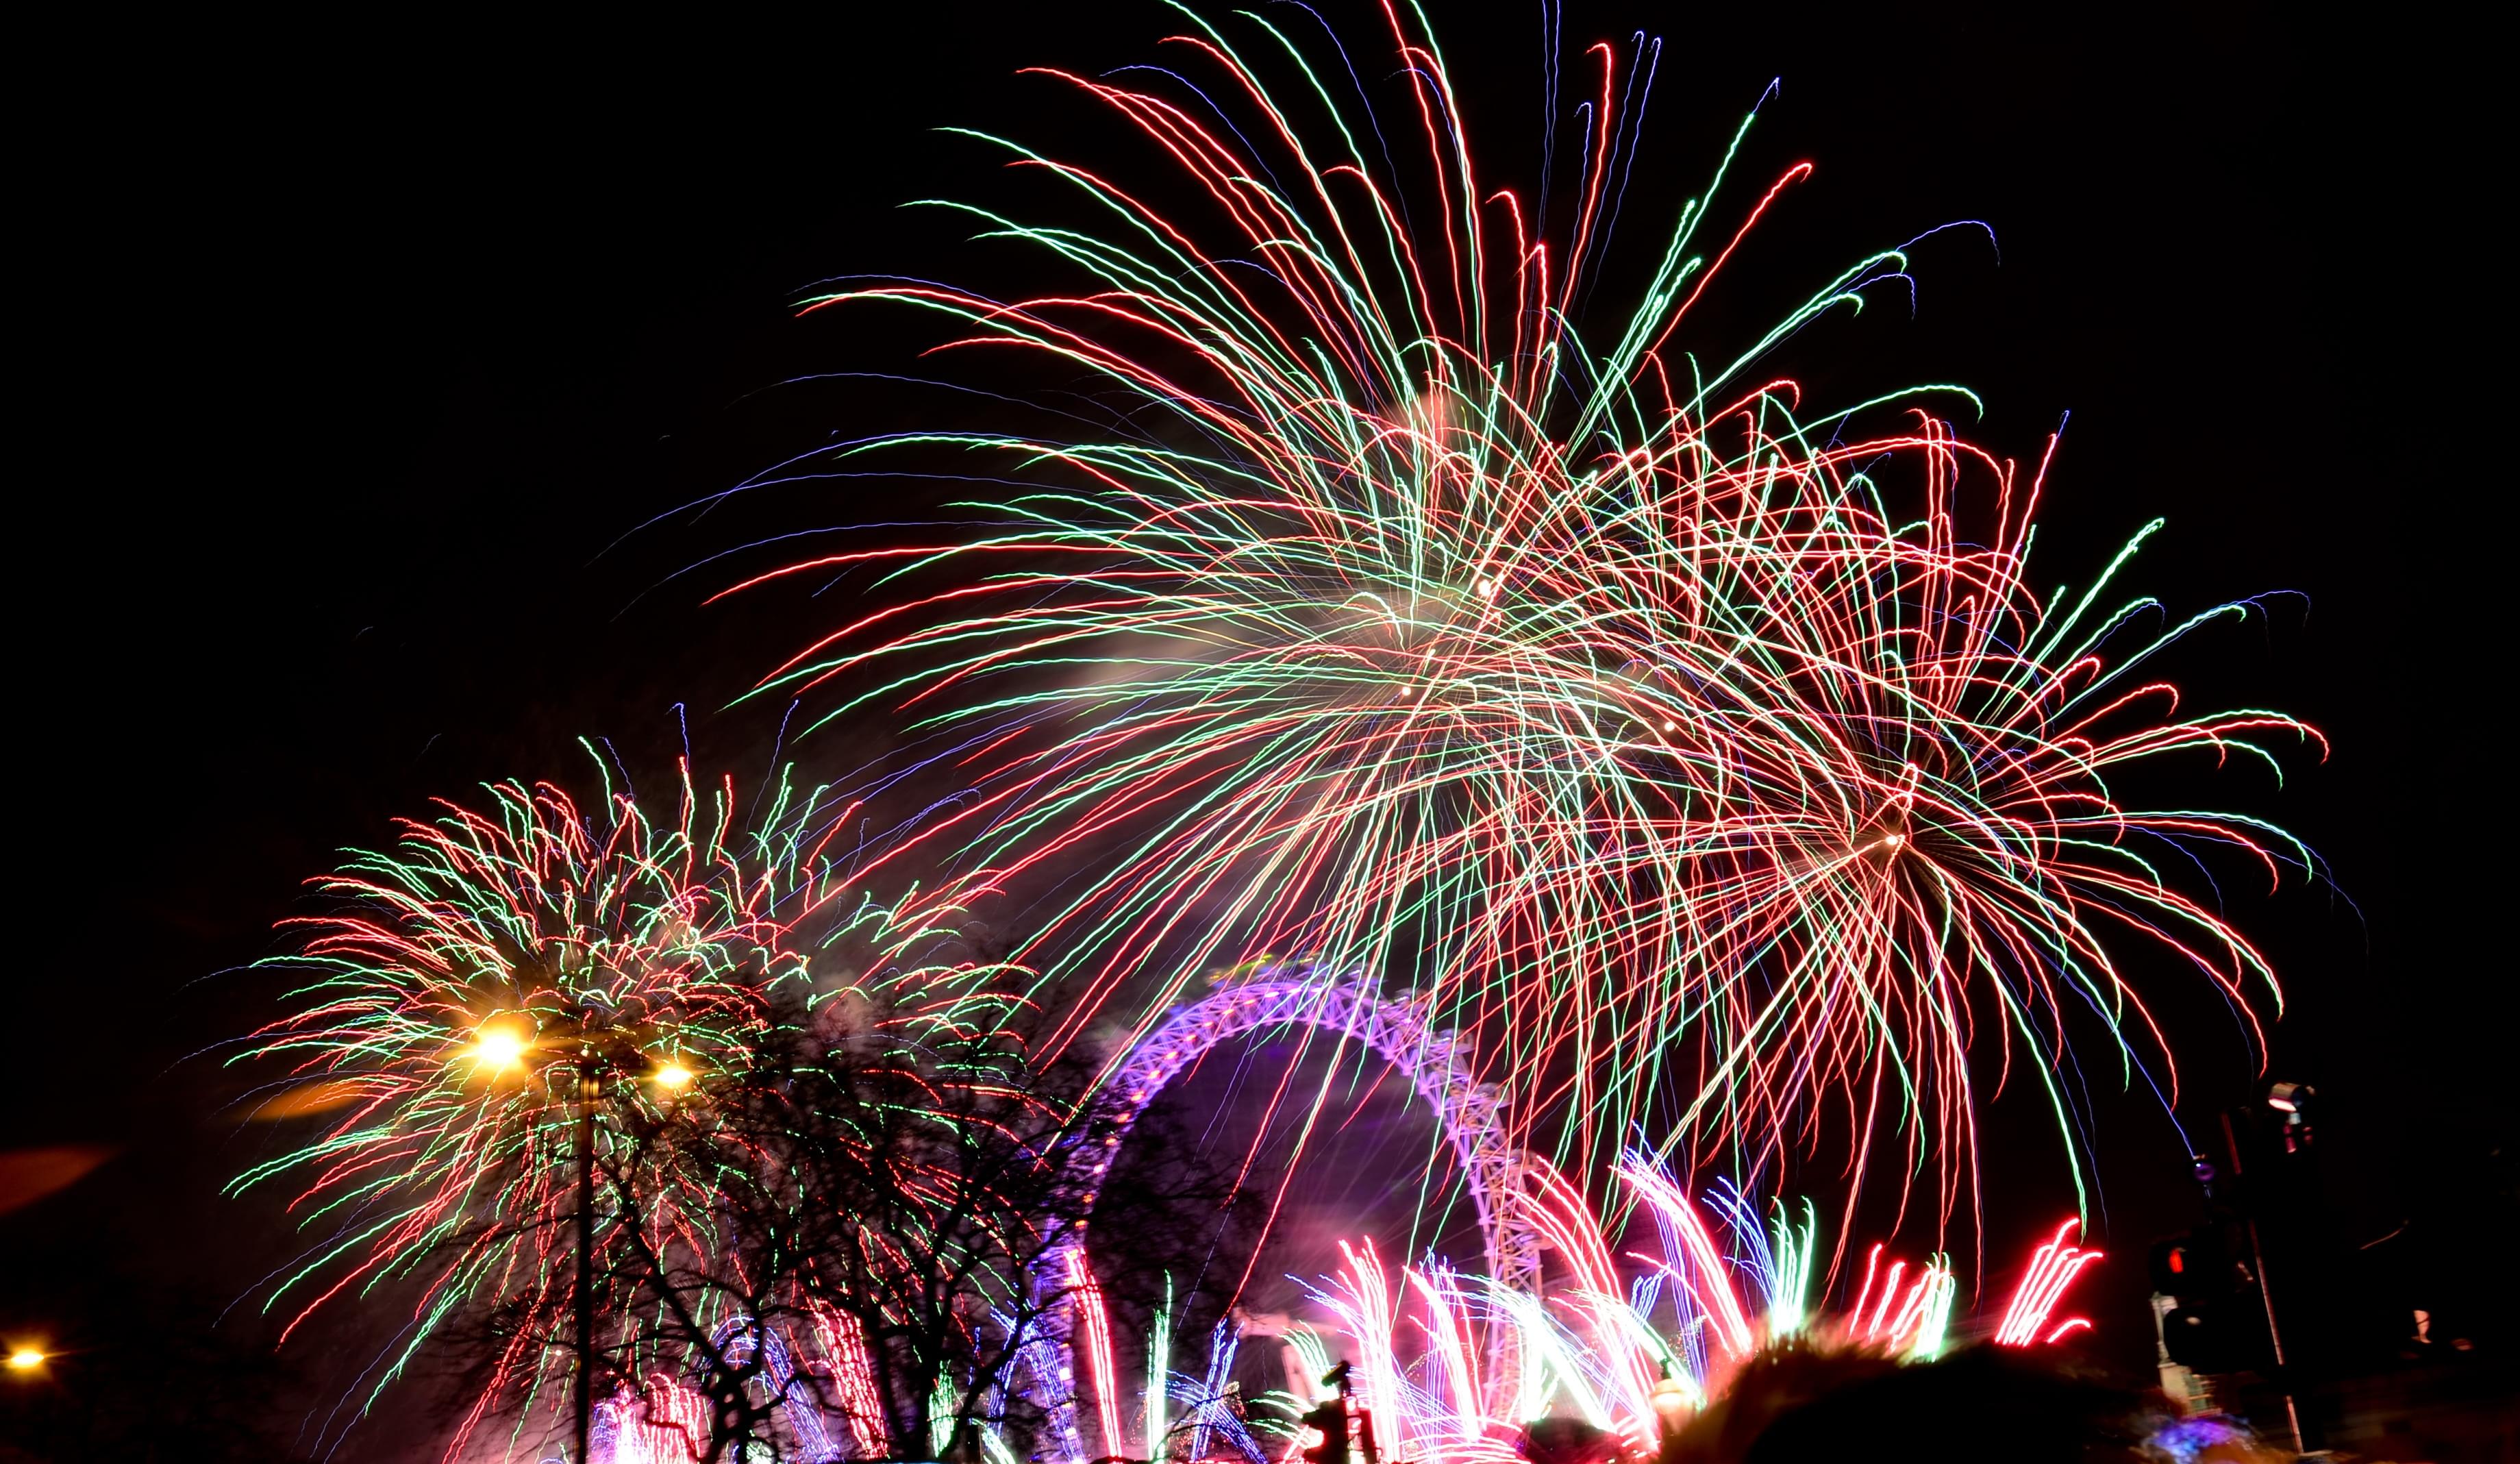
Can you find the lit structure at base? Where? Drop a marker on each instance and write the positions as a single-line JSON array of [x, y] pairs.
[[1470, 1115], [1499, 1349], [1448, 1365]]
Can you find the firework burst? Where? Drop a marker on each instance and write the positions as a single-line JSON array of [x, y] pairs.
[[495, 1005], [1703, 753]]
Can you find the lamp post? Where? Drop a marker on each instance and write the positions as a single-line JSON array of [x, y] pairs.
[[595, 1046], [585, 1299], [2290, 1100], [1671, 1403]]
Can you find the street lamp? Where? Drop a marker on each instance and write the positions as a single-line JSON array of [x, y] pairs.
[[26, 1359], [497, 1049], [482, 985], [586, 1040], [2293, 1100], [1672, 1402]]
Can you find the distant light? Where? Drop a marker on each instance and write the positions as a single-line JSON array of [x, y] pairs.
[[1487, 589], [26, 1359], [673, 1076], [1894, 839], [498, 1048], [1668, 725]]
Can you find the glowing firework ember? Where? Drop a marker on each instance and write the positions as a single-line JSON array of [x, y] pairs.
[[1694, 747]]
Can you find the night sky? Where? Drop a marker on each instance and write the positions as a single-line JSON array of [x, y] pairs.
[[355, 359]]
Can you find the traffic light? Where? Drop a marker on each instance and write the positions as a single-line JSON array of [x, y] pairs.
[[2219, 1324], [1330, 1420], [2193, 1266]]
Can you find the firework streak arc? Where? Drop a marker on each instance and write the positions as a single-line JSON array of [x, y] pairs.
[[1469, 1115], [1699, 748]]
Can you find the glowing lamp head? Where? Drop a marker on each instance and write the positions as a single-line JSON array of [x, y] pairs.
[[1670, 1397], [673, 1076], [1487, 589], [24, 1359], [497, 1049]]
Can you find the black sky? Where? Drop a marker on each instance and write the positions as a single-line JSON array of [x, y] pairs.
[[350, 352]]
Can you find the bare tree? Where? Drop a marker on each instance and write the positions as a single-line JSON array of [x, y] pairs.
[[873, 1268]]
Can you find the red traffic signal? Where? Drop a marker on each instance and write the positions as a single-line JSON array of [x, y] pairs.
[[1330, 1420], [2195, 1266]]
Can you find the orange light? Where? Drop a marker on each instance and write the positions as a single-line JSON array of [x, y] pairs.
[[673, 1076], [26, 1359], [498, 1048]]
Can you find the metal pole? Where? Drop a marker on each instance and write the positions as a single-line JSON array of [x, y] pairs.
[[585, 1299], [2266, 1293]]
